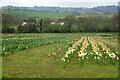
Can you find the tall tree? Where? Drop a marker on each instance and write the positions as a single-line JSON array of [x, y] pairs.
[[41, 25]]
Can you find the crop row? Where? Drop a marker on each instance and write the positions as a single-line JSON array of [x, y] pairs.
[[12, 43], [88, 48]]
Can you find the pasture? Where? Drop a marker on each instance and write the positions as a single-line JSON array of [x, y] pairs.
[[40, 14], [49, 14], [60, 55]]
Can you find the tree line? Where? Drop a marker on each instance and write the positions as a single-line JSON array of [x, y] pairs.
[[72, 24]]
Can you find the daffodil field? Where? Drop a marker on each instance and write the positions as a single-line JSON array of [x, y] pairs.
[[60, 55], [17, 42], [92, 49]]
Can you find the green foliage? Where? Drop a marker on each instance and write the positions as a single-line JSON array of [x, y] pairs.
[[6, 20], [8, 30], [70, 19], [9, 20], [72, 24], [19, 29]]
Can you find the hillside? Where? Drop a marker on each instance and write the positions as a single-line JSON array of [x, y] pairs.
[[33, 13]]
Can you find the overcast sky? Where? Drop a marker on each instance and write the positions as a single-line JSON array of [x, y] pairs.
[[61, 3]]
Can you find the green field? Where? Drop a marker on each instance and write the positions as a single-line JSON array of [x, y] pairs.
[[41, 55], [49, 14], [40, 14]]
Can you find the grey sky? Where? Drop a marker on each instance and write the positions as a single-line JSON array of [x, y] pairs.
[[62, 3]]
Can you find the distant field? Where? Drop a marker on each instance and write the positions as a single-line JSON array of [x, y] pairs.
[[103, 15], [60, 55], [49, 14], [41, 14]]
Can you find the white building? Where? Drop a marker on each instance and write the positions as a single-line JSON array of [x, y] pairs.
[[24, 23]]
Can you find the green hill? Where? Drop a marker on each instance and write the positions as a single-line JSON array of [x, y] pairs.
[[40, 14]]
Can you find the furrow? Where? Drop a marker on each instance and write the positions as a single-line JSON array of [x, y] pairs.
[[83, 51], [95, 47]]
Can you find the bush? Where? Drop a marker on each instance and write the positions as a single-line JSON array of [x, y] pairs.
[[8, 30]]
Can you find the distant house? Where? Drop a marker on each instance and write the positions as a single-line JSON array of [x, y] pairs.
[[59, 23], [24, 23], [52, 23]]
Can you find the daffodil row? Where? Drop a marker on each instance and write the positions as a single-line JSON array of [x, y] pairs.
[[107, 50], [23, 38]]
